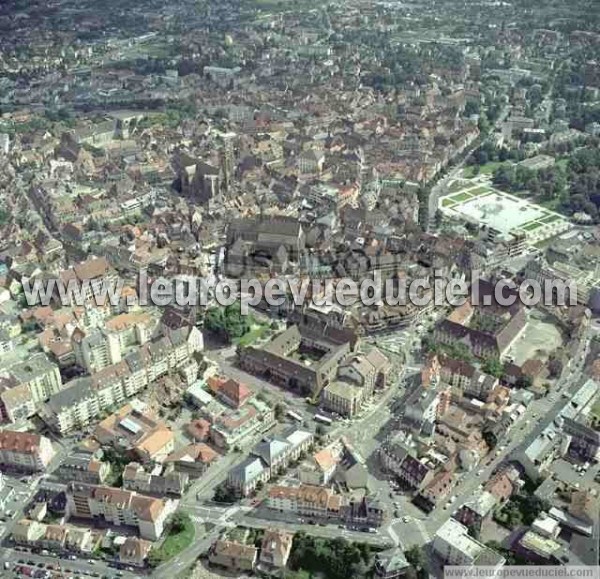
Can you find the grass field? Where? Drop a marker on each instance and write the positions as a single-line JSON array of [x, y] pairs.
[[532, 226], [457, 186], [179, 538], [487, 169], [256, 332], [483, 190], [461, 197]]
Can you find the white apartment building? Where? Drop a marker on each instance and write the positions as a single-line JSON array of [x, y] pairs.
[[85, 398], [25, 451], [454, 546], [41, 377], [120, 508]]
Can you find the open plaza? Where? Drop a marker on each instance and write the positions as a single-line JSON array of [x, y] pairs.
[[503, 212]]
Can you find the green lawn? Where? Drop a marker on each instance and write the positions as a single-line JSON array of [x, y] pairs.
[[461, 197], [256, 332], [180, 537], [532, 226], [487, 169], [457, 186], [480, 191], [550, 218], [447, 202]]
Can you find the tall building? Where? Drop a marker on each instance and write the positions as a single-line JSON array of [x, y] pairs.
[[25, 451], [120, 508]]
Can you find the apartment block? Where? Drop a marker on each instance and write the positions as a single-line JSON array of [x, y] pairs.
[[120, 508], [25, 451]]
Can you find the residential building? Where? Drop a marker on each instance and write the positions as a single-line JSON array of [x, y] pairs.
[[41, 377], [87, 397], [319, 468], [120, 507], [192, 460], [25, 451], [306, 500], [16, 403], [83, 467], [134, 551], [411, 472], [245, 477], [477, 510], [27, 532], [275, 549], [135, 478], [391, 564], [233, 556], [343, 398], [229, 430], [133, 430], [454, 546]]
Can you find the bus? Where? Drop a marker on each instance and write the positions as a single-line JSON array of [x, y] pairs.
[[323, 419], [294, 415]]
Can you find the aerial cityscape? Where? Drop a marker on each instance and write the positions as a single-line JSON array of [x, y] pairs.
[[299, 289]]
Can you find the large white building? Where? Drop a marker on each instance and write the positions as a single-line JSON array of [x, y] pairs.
[[86, 398], [454, 546], [120, 507]]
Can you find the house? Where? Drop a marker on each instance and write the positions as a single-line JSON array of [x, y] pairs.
[[135, 478], [391, 564], [275, 549], [134, 430], [134, 551], [319, 468], [436, 491], [231, 392], [363, 511], [477, 510], [28, 532], [411, 472], [193, 459], [233, 556], [83, 467], [503, 483]]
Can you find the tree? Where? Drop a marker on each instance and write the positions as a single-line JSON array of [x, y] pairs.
[[490, 439], [279, 411], [224, 494], [227, 322], [416, 558], [555, 367], [504, 177], [524, 382], [493, 367]]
